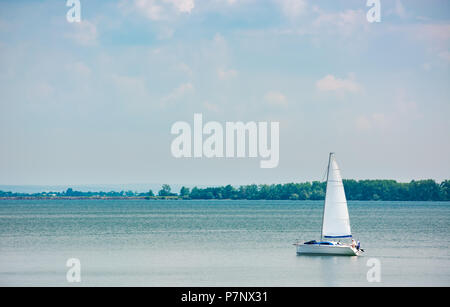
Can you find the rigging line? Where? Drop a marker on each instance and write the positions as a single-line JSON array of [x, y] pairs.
[[324, 174]]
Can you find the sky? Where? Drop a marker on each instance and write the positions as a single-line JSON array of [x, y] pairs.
[[93, 102]]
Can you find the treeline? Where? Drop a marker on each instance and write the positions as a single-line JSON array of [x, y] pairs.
[[425, 190], [420, 190], [71, 193]]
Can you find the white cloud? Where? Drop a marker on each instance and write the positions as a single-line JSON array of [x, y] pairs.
[[161, 9], [332, 84], [150, 9], [292, 8], [275, 98], [226, 74], [183, 6]]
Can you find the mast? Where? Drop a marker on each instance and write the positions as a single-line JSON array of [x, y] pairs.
[[323, 213]]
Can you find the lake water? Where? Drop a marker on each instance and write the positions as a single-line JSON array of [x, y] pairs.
[[217, 243]]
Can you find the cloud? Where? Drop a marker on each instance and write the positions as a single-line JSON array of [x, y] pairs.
[[161, 9], [183, 6], [226, 74], [275, 98], [292, 8], [345, 22], [150, 9], [84, 33], [179, 92], [332, 84]]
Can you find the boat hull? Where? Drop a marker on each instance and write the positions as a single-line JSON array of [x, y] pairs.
[[336, 250]]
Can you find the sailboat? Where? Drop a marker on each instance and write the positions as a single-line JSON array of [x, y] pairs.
[[335, 219]]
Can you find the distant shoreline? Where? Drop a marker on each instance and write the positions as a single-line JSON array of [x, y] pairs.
[[362, 190], [190, 199], [90, 198]]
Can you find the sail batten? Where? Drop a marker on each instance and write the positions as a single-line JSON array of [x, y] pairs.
[[336, 221]]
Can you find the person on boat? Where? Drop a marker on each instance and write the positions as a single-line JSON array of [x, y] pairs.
[[358, 245], [353, 243]]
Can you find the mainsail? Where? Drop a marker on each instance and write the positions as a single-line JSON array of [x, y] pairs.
[[336, 222]]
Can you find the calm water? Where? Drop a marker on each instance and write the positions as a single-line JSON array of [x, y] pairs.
[[217, 243]]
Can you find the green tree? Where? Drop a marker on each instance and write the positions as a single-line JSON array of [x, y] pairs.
[[228, 192], [165, 190], [424, 190], [184, 192], [445, 190]]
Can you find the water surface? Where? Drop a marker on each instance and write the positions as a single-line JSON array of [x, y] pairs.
[[216, 243]]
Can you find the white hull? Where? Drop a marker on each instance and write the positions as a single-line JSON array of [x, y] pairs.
[[316, 249]]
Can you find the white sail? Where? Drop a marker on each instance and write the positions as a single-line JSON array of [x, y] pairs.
[[336, 222]]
